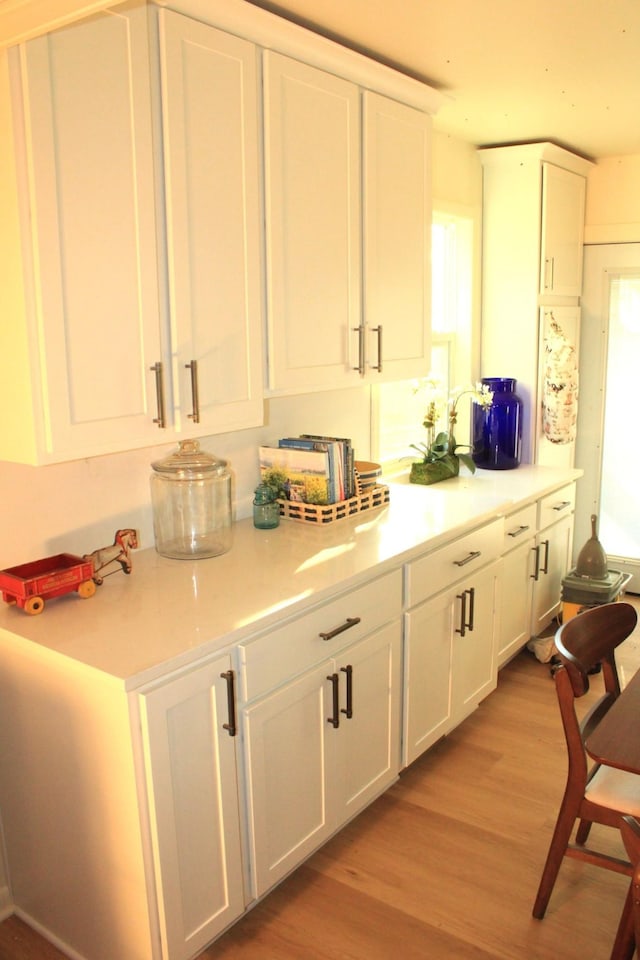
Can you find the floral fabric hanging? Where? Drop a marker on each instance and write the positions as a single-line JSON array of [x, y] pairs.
[[560, 386]]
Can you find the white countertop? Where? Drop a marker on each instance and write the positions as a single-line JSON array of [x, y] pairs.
[[169, 613]]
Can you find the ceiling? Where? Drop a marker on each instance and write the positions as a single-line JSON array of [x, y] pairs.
[[516, 70]]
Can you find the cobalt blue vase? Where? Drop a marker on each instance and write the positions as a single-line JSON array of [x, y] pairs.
[[497, 430]]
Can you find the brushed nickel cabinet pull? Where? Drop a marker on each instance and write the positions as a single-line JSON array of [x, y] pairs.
[[549, 264], [159, 419], [360, 331], [378, 330], [349, 622], [195, 398], [472, 556], [563, 505], [231, 703]]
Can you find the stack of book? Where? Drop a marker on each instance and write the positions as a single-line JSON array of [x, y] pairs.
[[310, 469]]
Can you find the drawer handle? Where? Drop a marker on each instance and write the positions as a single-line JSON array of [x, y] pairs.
[[519, 530], [472, 556], [231, 703], [348, 712], [335, 719], [563, 505], [349, 622]]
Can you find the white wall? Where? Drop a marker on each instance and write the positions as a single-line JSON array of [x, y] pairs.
[[612, 213], [76, 507]]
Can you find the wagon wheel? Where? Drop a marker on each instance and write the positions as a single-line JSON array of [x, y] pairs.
[[34, 605], [87, 589]]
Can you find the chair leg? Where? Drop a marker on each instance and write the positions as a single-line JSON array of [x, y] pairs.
[[582, 832], [557, 849], [624, 944]]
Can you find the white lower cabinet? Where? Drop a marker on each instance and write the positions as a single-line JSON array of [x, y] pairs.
[[320, 746], [552, 555], [188, 743], [517, 582], [450, 637]]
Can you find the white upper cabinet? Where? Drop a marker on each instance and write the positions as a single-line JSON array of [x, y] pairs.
[[210, 140], [563, 199], [154, 159], [87, 234], [312, 186], [348, 231], [397, 237], [138, 330]]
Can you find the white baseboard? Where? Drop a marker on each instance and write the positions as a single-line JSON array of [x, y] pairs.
[[6, 902]]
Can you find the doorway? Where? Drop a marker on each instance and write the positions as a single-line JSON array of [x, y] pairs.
[[607, 448]]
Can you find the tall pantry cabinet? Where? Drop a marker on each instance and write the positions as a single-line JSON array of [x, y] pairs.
[[533, 226]]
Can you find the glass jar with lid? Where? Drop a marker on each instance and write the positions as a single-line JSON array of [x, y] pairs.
[[191, 500], [266, 509]]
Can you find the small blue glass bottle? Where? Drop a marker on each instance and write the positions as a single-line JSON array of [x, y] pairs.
[[497, 430], [266, 509]]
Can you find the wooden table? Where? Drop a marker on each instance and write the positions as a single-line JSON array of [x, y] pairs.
[[616, 743], [616, 740]]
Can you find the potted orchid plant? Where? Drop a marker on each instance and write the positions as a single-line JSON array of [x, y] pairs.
[[441, 453]]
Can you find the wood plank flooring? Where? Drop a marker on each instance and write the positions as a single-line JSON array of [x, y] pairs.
[[446, 863]]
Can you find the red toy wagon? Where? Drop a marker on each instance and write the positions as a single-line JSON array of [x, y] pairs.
[[30, 584]]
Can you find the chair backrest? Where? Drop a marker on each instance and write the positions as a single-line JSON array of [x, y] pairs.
[[591, 638], [588, 639]]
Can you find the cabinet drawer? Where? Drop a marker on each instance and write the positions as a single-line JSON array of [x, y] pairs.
[[519, 526], [438, 570], [556, 505], [281, 654]]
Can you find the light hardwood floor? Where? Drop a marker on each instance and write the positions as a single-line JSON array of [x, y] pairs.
[[445, 865]]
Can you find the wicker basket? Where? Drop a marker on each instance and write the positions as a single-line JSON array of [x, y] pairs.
[[370, 499]]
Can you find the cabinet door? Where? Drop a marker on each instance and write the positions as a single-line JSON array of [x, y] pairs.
[[553, 562], [288, 738], [88, 142], [563, 198], [515, 607], [397, 238], [474, 671], [193, 808], [368, 747], [313, 220], [427, 680], [210, 139]]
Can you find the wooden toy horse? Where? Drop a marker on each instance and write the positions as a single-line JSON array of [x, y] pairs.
[[111, 559]]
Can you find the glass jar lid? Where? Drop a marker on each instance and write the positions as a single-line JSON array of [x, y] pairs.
[[264, 494], [189, 462]]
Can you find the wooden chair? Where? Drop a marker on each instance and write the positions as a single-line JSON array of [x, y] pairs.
[[628, 936], [599, 794]]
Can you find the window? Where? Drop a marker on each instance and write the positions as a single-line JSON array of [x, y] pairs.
[[398, 410]]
